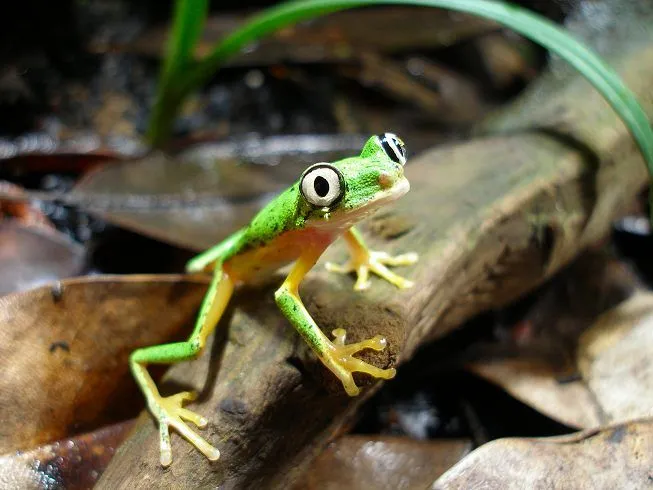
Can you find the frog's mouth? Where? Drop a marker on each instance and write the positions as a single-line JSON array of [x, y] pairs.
[[395, 192], [345, 218]]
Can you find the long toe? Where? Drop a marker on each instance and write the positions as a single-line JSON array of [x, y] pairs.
[[375, 343], [339, 269], [164, 444], [403, 259], [382, 271], [204, 447]]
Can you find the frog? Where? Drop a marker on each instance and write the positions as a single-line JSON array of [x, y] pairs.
[[296, 227]]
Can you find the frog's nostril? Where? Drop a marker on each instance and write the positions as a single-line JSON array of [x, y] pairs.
[[385, 180]]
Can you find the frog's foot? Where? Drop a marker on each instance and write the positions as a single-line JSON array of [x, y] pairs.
[[339, 359], [376, 262], [170, 413]]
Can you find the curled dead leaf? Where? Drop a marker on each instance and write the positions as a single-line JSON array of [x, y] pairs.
[[619, 456], [580, 354], [541, 387], [31, 257], [615, 381], [64, 350], [614, 359]]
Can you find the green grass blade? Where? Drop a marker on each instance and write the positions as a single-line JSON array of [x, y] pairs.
[[530, 25], [189, 17]]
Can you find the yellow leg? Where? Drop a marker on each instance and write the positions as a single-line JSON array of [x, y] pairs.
[[364, 260], [336, 356], [168, 411]]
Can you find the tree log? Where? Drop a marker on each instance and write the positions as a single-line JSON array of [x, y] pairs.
[[491, 218]]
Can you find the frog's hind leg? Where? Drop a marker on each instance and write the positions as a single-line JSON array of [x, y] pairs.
[[168, 410], [337, 356]]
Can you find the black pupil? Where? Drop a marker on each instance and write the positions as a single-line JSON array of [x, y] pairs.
[[321, 186]]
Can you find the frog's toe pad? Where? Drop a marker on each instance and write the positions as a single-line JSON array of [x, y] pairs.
[[342, 363], [170, 413]]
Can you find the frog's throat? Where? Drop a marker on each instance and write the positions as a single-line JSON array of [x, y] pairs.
[[345, 218]]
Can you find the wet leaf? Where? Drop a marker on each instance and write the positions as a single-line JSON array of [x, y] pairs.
[[620, 456], [73, 464], [615, 375], [238, 177], [382, 463], [31, 257], [71, 150], [65, 349]]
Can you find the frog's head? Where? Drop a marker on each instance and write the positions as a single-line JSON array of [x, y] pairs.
[[344, 192]]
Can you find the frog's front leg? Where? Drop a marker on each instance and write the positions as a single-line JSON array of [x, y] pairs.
[[168, 411], [337, 356], [363, 260]]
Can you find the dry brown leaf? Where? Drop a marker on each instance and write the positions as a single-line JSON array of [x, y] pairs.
[[620, 456], [613, 359], [31, 257], [65, 348], [25, 212], [540, 386], [73, 464], [392, 463]]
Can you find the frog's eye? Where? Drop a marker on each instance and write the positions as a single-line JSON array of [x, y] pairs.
[[322, 185], [393, 147]]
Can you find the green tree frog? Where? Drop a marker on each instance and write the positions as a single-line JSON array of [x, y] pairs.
[[297, 226]]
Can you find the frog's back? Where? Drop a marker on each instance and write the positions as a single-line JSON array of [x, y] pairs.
[[271, 220], [276, 236], [273, 238]]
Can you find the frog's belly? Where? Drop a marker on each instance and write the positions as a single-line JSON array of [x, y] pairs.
[[255, 264]]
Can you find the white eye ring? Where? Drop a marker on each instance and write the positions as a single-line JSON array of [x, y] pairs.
[[322, 185]]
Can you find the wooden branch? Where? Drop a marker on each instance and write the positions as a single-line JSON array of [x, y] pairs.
[[334, 38], [490, 218]]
